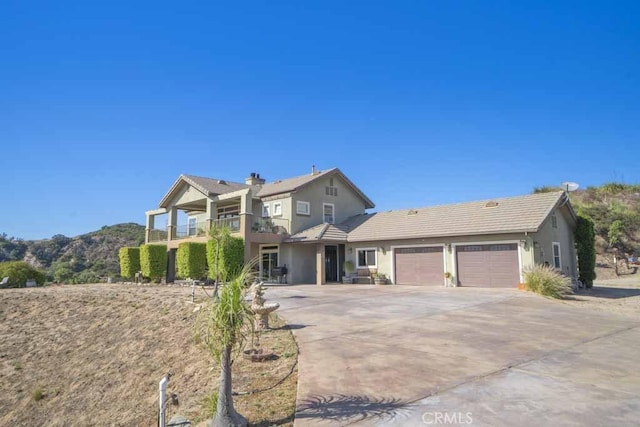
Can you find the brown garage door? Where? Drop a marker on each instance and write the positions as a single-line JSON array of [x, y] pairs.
[[419, 266], [493, 266]]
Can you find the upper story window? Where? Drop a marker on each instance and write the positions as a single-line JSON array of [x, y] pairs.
[[330, 190], [329, 213], [556, 255], [367, 258], [192, 226], [277, 209], [266, 211], [228, 211], [554, 221], [303, 208]]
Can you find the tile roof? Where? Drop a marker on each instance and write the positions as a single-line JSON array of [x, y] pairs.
[[510, 214], [208, 186], [321, 232], [213, 186], [293, 184]]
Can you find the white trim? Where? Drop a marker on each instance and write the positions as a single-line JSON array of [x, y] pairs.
[[266, 209], [189, 218], [375, 250], [333, 213], [553, 255], [454, 253], [307, 204], [270, 251], [273, 209], [444, 258]]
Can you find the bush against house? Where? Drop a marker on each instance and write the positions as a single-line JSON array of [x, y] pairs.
[[19, 272], [546, 280], [153, 261], [225, 256], [129, 261], [586, 250], [191, 260]]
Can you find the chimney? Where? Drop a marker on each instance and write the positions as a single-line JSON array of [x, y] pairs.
[[254, 179], [313, 169]]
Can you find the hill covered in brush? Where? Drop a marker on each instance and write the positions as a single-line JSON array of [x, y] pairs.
[[82, 259]]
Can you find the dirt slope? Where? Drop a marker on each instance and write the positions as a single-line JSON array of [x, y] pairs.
[[97, 352]]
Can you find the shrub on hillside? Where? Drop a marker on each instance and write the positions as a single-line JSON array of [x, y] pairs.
[[191, 260], [547, 281], [225, 255], [19, 272], [153, 261], [129, 261]]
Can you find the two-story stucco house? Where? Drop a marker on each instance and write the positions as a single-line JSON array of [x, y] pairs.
[[313, 223]]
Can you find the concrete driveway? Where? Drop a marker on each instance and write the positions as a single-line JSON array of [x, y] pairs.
[[409, 356]]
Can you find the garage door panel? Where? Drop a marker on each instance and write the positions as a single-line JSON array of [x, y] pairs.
[[419, 266], [492, 265]]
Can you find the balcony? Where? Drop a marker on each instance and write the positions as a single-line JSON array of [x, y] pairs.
[[232, 223], [156, 235], [271, 225]]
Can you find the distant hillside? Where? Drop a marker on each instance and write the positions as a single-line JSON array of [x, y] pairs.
[[615, 211], [82, 259]]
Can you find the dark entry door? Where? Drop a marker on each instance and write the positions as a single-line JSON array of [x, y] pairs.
[[331, 263]]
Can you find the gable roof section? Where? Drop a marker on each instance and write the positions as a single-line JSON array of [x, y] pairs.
[[509, 215], [321, 232], [291, 185], [207, 186]]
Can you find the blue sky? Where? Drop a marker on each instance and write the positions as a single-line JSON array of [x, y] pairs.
[[104, 104]]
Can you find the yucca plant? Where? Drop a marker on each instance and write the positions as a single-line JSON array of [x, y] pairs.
[[547, 281], [222, 327]]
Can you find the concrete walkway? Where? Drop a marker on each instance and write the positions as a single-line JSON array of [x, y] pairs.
[[400, 355]]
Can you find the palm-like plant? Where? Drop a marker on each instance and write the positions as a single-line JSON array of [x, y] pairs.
[[223, 327]]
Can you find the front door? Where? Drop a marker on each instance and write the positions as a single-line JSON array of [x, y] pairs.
[[268, 261], [331, 263]]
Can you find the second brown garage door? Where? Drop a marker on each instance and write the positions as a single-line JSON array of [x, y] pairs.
[[419, 266], [493, 266]]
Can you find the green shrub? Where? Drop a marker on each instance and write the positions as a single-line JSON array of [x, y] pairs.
[[129, 261], [19, 272], [37, 395], [225, 255], [153, 261], [585, 239], [545, 280], [191, 260]]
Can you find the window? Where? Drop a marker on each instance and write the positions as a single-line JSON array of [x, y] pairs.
[[554, 221], [193, 230], [265, 211], [303, 208], [331, 190], [556, 255], [367, 258], [228, 211], [329, 214], [277, 209]]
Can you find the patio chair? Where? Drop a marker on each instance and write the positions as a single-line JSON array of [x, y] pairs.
[[5, 281]]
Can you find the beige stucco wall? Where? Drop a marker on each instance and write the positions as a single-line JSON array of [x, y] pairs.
[[385, 250], [347, 203], [187, 194], [545, 237], [301, 262]]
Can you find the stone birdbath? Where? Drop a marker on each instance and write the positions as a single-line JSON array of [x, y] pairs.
[[261, 308]]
